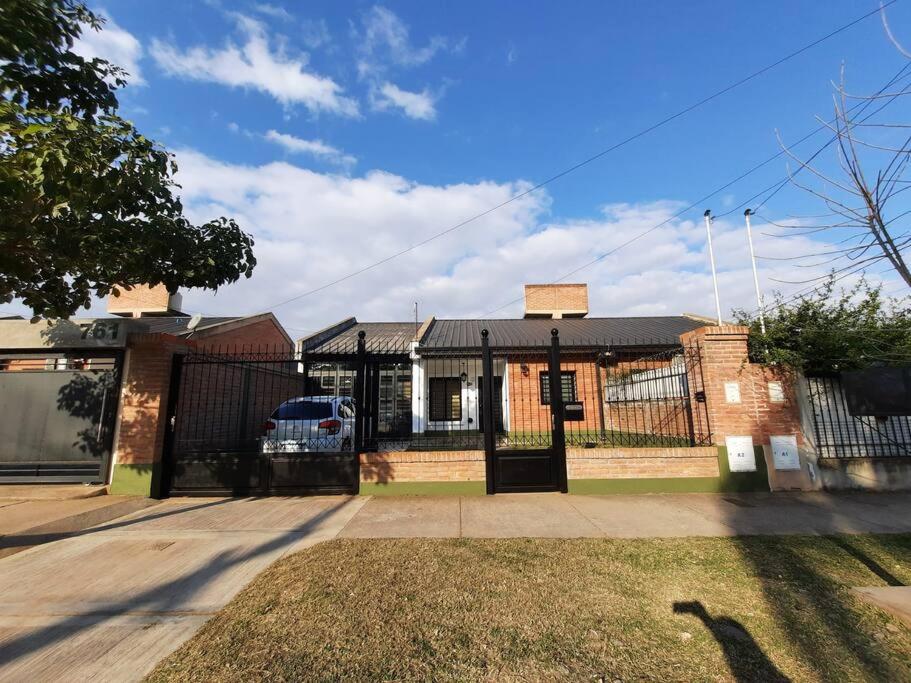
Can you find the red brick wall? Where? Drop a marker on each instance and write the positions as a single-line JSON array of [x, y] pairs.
[[633, 463], [422, 466], [144, 393], [724, 359], [262, 335], [527, 414], [140, 436]]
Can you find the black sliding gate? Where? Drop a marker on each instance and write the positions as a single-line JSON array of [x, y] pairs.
[[530, 456], [260, 423]]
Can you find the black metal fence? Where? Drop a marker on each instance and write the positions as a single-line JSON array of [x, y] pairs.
[[239, 410], [842, 435]]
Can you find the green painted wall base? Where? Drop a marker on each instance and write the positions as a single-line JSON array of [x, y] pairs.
[[132, 480], [424, 488], [727, 482]]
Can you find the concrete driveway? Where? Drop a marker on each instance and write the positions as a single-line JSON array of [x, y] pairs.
[[109, 602]]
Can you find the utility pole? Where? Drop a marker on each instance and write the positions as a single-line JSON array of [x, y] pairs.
[[708, 231], [746, 215]]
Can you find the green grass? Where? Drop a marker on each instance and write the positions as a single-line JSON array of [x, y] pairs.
[[591, 438], [751, 608]]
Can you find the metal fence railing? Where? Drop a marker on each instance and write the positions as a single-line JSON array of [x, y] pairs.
[[246, 400], [842, 435]]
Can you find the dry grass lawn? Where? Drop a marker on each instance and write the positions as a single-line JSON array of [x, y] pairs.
[[696, 609]]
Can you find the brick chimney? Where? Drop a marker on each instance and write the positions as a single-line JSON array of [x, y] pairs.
[[556, 301], [144, 300]]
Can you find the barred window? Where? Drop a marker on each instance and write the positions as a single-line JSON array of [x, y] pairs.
[[567, 384], [445, 399]]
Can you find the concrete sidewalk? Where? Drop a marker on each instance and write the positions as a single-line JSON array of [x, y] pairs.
[[27, 521], [551, 515], [110, 602]]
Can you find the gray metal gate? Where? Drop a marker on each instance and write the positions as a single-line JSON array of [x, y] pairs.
[[57, 416]]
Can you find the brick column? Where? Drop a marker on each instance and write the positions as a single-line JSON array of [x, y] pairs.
[[140, 429], [723, 351]]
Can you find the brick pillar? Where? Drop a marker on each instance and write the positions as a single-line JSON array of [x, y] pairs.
[[761, 411], [140, 429]]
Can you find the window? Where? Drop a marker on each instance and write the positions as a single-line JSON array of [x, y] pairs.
[[445, 399], [568, 385], [303, 410]]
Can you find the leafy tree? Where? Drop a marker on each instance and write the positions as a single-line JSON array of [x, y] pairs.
[[86, 202], [827, 331]]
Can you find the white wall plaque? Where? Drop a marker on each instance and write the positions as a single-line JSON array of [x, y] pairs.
[[784, 452], [732, 392], [741, 457], [776, 392]]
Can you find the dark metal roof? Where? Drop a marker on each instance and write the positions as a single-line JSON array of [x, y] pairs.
[[177, 325], [445, 335], [393, 338]]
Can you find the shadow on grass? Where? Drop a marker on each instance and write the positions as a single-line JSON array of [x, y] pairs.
[[800, 582], [169, 597], [745, 658]]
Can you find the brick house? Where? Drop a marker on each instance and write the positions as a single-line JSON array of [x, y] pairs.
[[84, 400]]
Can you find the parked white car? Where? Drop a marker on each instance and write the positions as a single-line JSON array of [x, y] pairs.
[[310, 423]]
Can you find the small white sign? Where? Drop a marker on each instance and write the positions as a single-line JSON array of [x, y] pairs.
[[776, 392], [732, 392], [784, 452], [741, 457]]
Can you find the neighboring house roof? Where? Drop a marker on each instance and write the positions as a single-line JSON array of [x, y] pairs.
[[178, 325], [445, 335], [342, 338]]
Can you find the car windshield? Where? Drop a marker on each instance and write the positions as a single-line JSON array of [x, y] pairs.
[[303, 410]]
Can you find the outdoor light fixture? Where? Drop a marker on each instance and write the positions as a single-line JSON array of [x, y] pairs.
[[464, 377], [524, 368]]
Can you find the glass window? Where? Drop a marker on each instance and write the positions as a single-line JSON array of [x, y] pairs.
[[303, 410], [567, 384], [445, 399]]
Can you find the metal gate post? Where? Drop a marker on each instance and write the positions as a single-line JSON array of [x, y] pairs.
[[558, 435], [360, 407], [165, 471], [487, 399]]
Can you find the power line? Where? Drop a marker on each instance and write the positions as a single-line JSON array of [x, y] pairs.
[[778, 185], [590, 159]]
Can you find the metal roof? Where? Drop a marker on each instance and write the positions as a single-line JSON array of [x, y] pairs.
[[393, 338], [177, 325], [574, 332]]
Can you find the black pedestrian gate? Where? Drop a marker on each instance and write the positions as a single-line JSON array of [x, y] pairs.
[[265, 423], [531, 455]]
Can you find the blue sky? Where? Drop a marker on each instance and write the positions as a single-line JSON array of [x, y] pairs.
[[340, 132]]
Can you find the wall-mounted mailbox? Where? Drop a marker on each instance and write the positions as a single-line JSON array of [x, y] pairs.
[[573, 411]]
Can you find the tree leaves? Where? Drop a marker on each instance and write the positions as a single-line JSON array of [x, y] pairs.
[[826, 332], [86, 201]]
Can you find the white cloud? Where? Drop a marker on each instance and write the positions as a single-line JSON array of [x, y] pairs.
[[316, 148], [314, 33], [258, 66], [385, 39], [274, 11], [114, 44], [311, 228], [415, 105]]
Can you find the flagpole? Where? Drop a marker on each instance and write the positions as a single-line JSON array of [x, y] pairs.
[[708, 231], [746, 215]]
